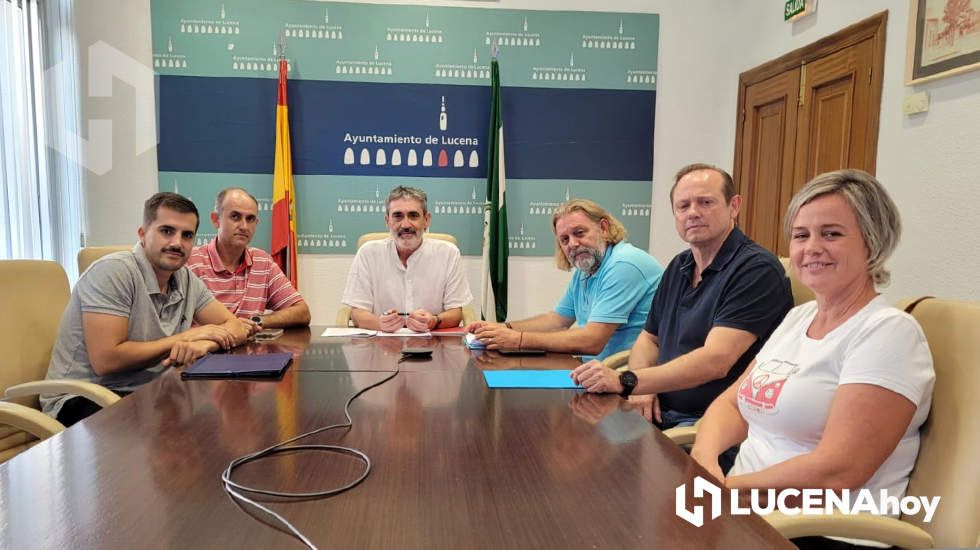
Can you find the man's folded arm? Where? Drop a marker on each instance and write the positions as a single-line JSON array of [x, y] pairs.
[[451, 317], [364, 318], [546, 322], [645, 351], [589, 339], [295, 315], [109, 350], [712, 361], [214, 313]]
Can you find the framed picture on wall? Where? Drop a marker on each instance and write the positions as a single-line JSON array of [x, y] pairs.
[[944, 39]]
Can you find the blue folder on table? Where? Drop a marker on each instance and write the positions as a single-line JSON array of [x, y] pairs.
[[266, 365], [531, 379]]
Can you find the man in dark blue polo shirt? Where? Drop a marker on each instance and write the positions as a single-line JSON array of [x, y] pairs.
[[717, 304]]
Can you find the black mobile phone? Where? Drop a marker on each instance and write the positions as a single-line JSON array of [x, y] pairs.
[[417, 352], [522, 351], [268, 334]]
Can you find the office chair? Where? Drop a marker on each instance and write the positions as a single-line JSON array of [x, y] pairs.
[[89, 254], [34, 294], [950, 443], [801, 294], [343, 314]]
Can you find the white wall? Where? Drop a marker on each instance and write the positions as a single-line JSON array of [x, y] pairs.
[[926, 161], [114, 200]]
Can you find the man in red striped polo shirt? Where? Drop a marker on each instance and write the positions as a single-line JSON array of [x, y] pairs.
[[244, 278]]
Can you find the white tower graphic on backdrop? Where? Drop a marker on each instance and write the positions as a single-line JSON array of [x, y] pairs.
[[442, 115]]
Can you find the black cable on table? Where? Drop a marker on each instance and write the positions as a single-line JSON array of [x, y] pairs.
[[235, 490]]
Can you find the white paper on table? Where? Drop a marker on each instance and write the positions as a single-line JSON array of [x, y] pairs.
[[348, 332], [405, 331]]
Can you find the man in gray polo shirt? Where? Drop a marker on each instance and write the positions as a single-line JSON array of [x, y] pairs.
[[130, 314]]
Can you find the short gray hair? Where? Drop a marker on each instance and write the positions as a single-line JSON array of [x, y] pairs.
[[876, 213], [404, 192]]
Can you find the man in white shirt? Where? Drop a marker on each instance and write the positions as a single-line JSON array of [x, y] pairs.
[[406, 280]]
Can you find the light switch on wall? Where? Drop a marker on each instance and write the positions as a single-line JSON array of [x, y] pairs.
[[916, 103]]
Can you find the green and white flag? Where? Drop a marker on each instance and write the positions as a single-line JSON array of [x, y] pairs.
[[494, 285]]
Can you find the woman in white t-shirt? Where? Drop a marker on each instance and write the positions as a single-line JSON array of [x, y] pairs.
[[835, 398]]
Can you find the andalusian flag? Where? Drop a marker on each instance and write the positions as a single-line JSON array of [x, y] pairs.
[[283, 247], [495, 214]]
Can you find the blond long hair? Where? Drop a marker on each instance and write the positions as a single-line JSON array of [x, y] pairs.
[[596, 213]]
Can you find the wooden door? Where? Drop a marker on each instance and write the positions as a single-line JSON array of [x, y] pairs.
[[808, 112], [833, 116], [768, 153]]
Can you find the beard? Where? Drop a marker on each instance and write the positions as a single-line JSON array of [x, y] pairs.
[[587, 259], [410, 237]]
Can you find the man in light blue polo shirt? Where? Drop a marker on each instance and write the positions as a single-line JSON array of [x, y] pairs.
[[607, 300]]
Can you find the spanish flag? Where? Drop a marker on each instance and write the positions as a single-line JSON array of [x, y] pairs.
[[283, 247]]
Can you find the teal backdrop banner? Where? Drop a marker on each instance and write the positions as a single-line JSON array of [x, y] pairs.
[[384, 95]]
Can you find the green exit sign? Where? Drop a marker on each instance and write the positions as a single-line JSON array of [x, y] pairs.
[[794, 9]]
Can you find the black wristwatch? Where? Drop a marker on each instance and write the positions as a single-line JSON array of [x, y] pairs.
[[628, 380]]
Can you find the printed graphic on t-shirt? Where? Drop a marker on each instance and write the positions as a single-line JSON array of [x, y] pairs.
[[761, 388]]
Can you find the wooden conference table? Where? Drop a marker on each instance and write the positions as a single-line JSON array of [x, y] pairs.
[[455, 464]]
